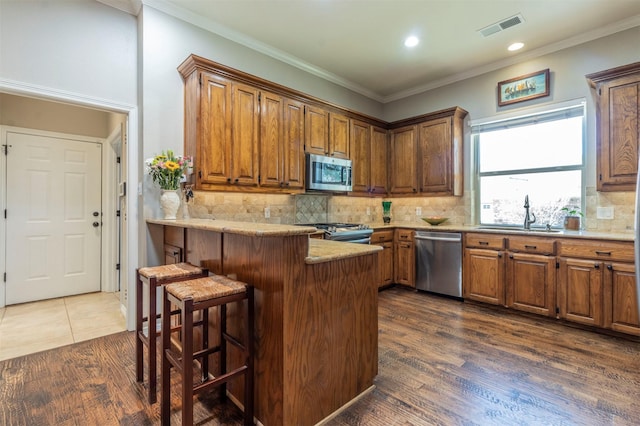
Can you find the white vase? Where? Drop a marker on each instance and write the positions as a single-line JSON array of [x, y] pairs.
[[170, 203]]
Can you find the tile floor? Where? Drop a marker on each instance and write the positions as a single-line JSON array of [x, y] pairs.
[[33, 327]]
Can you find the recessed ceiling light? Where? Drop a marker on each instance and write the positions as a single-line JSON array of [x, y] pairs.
[[411, 41], [516, 46]]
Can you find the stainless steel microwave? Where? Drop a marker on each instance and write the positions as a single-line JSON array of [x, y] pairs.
[[328, 173]]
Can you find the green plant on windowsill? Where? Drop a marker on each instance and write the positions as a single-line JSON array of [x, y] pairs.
[[572, 211]]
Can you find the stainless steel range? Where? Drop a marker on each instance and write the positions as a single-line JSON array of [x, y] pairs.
[[347, 232]]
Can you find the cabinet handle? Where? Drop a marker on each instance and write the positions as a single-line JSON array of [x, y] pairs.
[[288, 183], [603, 253], [237, 180], [530, 247], [510, 256], [483, 243], [596, 265], [415, 190], [499, 255], [228, 180], [610, 267]]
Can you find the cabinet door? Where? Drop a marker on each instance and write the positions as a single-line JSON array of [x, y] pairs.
[[244, 150], [580, 291], [484, 276], [293, 144], [172, 254], [405, 263], [338, 135], [621, 303], [213, 155], [404, 178], [361, 156], [531, 283], [385, 260], [271, 140], [620, 129], [316, 128], [379, 161], [435, 157]]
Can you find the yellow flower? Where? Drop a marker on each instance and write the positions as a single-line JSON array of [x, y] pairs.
[[172, 165]]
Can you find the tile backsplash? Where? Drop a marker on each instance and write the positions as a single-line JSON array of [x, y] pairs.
[[313, 208]]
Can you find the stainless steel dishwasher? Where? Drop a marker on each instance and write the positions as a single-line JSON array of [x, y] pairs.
[[439, 262]]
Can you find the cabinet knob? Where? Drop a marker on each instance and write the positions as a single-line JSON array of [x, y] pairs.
[[288, 183], [596, 265], [510, 256], [415, 190], [228, 180], [610, 267], [499, 255], [237, 180]]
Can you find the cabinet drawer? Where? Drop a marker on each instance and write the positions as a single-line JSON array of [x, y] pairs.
[[381, 236], [174, 236], [532, 245], [594, 249], [485, 241], [404, 234]]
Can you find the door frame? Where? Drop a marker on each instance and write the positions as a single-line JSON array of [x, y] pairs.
[[130, 253]]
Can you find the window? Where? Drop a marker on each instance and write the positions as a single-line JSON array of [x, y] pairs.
[[539, 155]]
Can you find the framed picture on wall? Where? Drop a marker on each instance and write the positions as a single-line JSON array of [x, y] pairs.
[[524, 88]]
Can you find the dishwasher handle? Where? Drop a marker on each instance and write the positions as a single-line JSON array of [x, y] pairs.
[[455, 239]]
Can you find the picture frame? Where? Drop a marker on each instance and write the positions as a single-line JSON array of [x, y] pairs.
[[523, 88]]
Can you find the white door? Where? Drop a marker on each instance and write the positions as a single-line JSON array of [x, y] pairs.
[[53, 223]]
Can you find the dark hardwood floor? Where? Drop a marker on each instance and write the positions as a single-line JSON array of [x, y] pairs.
[[442, 362]]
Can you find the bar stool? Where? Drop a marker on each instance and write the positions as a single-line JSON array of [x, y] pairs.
[[155, 276], [195, 296]]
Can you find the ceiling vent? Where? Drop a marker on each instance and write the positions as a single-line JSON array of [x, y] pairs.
[[502, 25]]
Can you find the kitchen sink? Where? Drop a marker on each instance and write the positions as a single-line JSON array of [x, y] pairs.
[[508, 229]]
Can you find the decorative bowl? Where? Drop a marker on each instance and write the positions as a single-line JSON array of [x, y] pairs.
[[435, 220]]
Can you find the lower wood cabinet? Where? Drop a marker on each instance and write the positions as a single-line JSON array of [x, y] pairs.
[[384, 239], [483, 272], [174, 244], [580, 294], [531, 283], [590, 282], [405, 261]]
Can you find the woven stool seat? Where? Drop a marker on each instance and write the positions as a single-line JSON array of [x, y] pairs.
[[176, 270], [207, 288]]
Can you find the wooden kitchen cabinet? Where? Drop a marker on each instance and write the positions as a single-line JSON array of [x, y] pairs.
[[405, 262], [617, 126], [174, 244], [384, 239], [369, 156], [404, 150], [596, 283], [221, 130], [440, 154], [426, 154], [484, 268], [326, 133], [531, 275], [281, 142]]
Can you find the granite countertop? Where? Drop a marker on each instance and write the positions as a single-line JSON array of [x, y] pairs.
[[326, 250], [242, 228], [597, 235]]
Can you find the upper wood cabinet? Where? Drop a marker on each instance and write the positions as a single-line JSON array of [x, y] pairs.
[[404, 150], [326, 133], [369, 155], [281, 142], [429, 162], [618, 126]]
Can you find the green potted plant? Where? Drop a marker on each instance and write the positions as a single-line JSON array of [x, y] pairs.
[[572, 218]]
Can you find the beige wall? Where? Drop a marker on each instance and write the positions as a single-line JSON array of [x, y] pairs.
[[19, 111]]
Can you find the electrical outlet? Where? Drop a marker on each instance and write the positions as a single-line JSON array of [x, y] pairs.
[[418, 211], [604, 213], [267, 212]]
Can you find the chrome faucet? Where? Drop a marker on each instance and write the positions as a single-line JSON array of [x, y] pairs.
[[527, 220]]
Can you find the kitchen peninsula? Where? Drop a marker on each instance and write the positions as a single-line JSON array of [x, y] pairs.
[[316, 310]]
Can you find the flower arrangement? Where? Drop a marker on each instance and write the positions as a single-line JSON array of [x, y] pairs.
[[167, 169]]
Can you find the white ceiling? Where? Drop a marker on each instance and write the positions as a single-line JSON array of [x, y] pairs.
[[359, 43]]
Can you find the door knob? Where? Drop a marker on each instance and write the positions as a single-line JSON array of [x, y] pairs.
[[96, 224], [96, 214]]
